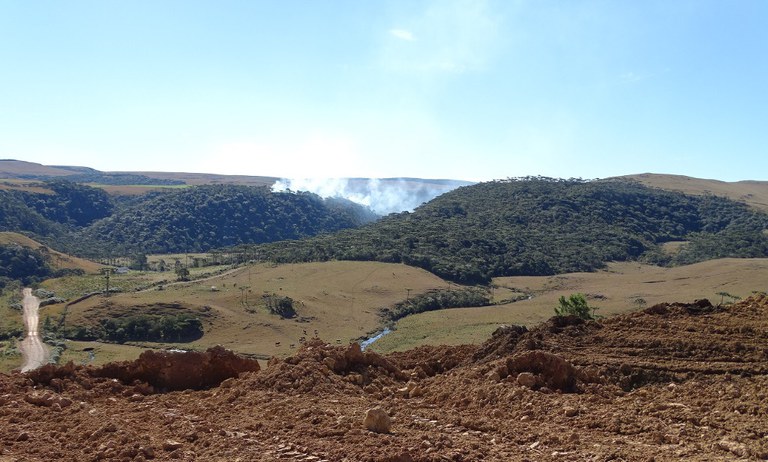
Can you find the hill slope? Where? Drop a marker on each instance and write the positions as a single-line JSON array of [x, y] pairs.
[[752, 193], [205, 217], [87, 221], [540, 226], [57, 260]]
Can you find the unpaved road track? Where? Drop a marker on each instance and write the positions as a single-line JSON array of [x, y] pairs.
[[33, 350]]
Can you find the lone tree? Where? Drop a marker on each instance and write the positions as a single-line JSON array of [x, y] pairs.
[[182, 273], [575, 305]]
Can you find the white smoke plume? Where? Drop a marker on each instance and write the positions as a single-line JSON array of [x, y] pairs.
[[382, 195]]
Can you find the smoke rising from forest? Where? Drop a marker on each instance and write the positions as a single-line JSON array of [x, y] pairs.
[[383, 196]]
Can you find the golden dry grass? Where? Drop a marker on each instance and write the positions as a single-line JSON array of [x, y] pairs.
[[754, 193], [10, 168], [24, 185], [339, 300], [210, 178], [614, 290], [134, 189], [98, 354]]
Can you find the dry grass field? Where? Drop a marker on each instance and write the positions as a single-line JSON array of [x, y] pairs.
[[97, 353], [134, 189], [209, 178], [613, 290], [754, 193], [10, 168], [338, 300], [24, 185]]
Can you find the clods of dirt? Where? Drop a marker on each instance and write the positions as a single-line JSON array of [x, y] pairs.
[[672, 382]]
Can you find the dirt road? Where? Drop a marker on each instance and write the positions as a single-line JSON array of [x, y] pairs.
[[33, 350]]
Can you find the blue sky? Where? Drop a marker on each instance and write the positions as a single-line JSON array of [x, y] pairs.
[[471, 90]]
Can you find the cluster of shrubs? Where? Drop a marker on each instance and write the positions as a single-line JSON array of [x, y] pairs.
[[279, 305], [438, 299], [150, 328]]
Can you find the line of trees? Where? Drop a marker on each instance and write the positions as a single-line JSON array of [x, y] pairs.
[[438, 299], [144, 327]]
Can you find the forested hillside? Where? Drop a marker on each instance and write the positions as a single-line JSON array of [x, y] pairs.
[[205, 217], [541, 226], [57, 206], [86, 221], [18, 263]]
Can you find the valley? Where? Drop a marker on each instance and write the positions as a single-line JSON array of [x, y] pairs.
[[130, 278], [340, 302]]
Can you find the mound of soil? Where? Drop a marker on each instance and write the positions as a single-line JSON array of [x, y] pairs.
[[672, 382], [180, 370]]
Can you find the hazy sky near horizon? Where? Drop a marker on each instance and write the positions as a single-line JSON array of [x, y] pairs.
[[473, 90]]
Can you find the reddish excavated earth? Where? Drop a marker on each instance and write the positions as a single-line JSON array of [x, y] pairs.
[[673, 382]]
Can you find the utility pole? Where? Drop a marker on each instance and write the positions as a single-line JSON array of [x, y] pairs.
[[106, 272]]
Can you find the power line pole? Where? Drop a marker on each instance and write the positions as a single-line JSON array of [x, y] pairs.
[[107, 272]]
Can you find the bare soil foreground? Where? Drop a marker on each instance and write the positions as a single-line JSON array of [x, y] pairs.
[[672, 382]]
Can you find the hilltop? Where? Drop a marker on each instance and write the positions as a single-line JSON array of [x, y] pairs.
[[752, 193], [22, 170], [390, 194]]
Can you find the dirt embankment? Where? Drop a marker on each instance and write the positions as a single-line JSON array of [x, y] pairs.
[[674, 382]]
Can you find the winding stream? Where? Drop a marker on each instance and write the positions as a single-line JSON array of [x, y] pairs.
[[367, 342]]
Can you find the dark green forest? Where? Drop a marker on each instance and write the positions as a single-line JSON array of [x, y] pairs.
[[144, 327], [27, 266], [22, 264], [201, 218], [543, 226], [86, 221]]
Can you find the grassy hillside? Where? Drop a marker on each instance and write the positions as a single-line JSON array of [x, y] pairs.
[[342, 301], [619, 288], [540, 226], [339, 300], [752, 193], [10, 168]]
